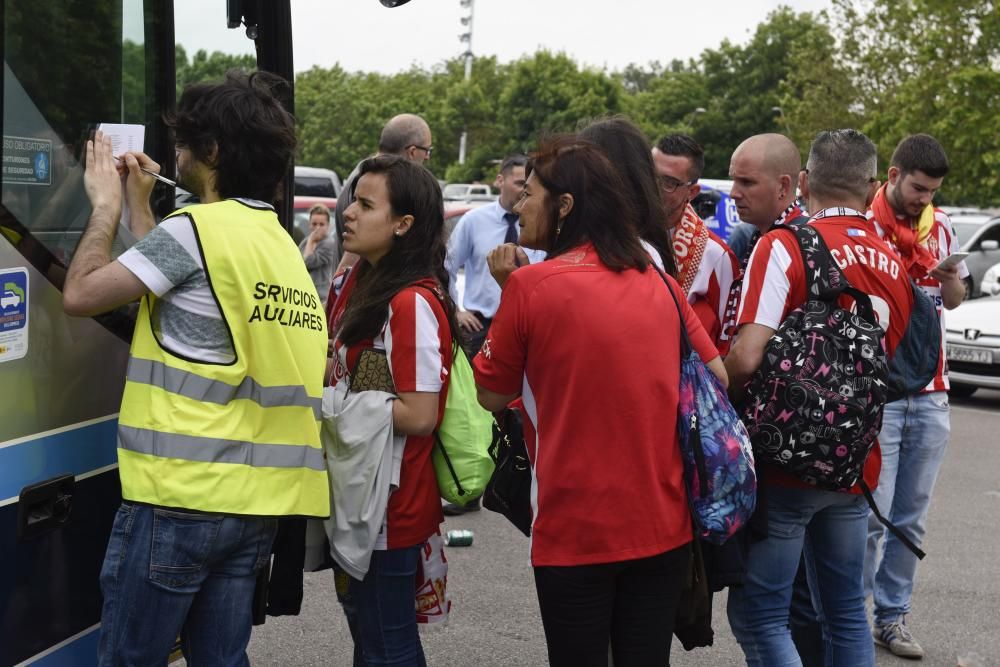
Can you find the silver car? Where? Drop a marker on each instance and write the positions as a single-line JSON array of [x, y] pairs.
[[973, 335]]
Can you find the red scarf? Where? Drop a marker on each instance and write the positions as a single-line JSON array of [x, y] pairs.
[[689, 239], [907, 234]]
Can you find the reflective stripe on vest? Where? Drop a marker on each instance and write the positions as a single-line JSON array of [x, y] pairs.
[[242, 437], [215, 450], [199, 388]]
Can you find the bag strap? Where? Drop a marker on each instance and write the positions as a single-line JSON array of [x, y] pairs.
[[456, 350], [917, 551], [685, 340], [440, 299], [824, 280]]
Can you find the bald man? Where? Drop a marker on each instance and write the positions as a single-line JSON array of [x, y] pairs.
[[764, 169], [407, 135]]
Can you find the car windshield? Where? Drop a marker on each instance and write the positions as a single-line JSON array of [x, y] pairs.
[[314, 186], [455, 190], [966, 230]]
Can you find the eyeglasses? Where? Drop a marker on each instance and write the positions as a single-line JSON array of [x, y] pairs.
[[670, 185], [426, 149]]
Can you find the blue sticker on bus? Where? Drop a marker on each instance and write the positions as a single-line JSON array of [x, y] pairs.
[[13, 314]]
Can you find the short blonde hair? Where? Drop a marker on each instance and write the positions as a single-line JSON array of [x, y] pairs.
[[319, 208]]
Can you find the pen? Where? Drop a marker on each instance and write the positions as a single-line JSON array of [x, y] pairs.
[[161, 179]]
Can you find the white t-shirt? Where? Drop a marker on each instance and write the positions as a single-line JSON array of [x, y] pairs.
[[186, 319]]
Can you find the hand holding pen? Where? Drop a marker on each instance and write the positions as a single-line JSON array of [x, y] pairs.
[[143, 163]]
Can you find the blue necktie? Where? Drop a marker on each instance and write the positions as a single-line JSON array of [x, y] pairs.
[[511, 220]]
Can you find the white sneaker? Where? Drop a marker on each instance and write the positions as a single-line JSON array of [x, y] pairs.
[[896, 637]]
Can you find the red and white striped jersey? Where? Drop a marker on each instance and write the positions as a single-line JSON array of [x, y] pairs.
[[710, 288], [416, 338]]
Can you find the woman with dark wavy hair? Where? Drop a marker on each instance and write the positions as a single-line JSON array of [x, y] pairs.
[[631, 154], [395, 300], [589, 340]]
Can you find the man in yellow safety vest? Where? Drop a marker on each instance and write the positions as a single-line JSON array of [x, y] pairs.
[[218, 431]]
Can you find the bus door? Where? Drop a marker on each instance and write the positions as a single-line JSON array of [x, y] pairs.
[[67, 66]]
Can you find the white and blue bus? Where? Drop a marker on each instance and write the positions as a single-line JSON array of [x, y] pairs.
[[69, 64]]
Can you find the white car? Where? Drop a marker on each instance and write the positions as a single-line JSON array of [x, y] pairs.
[[973, 335], [468, 192], [990, 286], [9, 300]]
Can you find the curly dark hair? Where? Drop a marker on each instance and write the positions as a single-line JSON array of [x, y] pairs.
[[241, 115], [414, 256]]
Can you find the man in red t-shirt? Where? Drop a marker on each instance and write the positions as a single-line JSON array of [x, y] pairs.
[[915, 428], [838, 183]]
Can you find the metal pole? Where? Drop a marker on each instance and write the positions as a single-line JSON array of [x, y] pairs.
[[466, 37]]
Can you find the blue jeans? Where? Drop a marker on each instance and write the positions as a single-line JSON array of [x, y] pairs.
[[913, 439], [168, 573], [381, 609], [836, 524]]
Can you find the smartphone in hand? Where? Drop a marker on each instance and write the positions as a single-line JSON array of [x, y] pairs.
[[952, 260]]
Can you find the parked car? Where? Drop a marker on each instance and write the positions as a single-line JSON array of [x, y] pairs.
[[978, 234], [714, 205], [973, 344], [468, 192], [990, 286], [316, 182], [300, 214]]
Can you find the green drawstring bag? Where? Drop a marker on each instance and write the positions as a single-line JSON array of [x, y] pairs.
[[461, 454]]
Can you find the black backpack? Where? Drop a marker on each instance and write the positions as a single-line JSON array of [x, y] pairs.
[[814, 407]]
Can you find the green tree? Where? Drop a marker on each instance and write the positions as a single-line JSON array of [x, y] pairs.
[[931, 66], [548, 93], [819, 92], [208, 67], [670, 103], [744, 83]]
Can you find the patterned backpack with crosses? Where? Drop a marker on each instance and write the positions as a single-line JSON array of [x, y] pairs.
[[814, 407]]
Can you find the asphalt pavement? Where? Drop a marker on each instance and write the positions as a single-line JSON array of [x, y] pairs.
[[495, 621]]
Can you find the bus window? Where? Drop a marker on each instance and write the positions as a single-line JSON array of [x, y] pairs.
[[60, 81], [68, 65]]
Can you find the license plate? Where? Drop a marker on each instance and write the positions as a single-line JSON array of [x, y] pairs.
[[971, 354]]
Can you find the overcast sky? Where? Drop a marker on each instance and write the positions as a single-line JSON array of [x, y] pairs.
[[364, 35]]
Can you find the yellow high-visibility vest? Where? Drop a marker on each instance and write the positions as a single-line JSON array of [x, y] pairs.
[[238, 438]]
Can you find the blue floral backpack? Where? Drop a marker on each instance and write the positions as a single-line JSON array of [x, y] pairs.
[[715, 447]]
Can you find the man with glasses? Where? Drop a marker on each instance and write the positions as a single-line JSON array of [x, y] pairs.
[[407, 135], [706, 266]]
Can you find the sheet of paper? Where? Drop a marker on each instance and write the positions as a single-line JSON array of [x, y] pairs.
[[124, 137]]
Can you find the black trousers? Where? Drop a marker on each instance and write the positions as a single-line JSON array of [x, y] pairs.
[[629, 605]]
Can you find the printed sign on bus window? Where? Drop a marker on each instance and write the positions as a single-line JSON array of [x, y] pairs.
[[27, 161]]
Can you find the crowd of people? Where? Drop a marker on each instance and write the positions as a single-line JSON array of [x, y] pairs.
[[580, 282]]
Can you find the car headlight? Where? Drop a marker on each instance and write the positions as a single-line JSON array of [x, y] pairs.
[[990, 285]]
